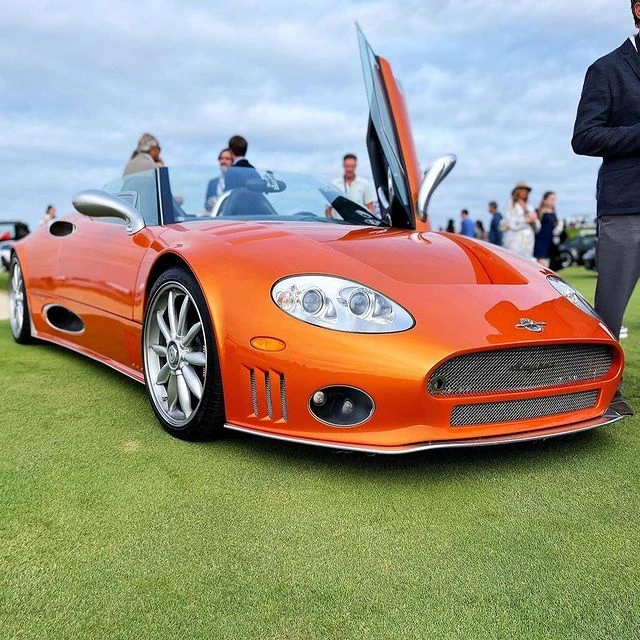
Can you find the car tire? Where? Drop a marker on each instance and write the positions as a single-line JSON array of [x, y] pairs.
[[181, 364], [566, 259], [19, 318]]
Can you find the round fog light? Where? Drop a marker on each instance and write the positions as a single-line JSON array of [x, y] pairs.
[[341, 406]]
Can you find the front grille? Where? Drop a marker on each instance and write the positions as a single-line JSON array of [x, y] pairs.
[[465, 415], [520, 369]]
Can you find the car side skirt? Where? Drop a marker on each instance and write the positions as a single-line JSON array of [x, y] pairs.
[[609, 417]]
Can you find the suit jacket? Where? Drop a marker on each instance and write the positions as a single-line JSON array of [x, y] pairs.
[[238, 174], [608, 126]]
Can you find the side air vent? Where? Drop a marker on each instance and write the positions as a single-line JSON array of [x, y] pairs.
[[283, 397], [62, 319], [61, 228], [254, 391], [267, 401], [267, 389]]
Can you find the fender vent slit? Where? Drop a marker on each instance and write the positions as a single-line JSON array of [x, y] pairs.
[[267, 387], [254, 391], [283, 397]]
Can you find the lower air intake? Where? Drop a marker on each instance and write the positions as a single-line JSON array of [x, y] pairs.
[[465, 415]]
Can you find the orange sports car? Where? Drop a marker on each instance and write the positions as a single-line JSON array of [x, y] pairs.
[[285, 309]]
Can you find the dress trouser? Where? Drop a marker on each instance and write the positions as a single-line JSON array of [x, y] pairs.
[[618, 254]]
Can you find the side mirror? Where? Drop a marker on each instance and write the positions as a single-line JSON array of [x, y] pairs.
[[100, 204], [436, 173]]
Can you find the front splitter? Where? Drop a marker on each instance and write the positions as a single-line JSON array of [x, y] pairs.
[[609, 417]]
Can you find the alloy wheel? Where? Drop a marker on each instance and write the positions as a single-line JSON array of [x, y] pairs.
[[175, 354], [16, 300]]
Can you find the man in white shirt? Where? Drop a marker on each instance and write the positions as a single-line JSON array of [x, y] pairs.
[[356, 189]]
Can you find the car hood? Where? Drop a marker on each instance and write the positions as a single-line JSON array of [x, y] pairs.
[[408, 257], [468, 293]]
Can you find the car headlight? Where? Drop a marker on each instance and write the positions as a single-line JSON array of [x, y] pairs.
[[339, 304], [568, 292]]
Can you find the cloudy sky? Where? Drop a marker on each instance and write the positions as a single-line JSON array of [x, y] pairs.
[[496, 82]]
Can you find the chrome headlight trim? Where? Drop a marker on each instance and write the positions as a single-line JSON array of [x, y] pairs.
[[383, 315], [573, 296]]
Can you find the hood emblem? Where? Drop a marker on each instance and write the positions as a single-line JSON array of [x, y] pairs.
[[531, 325]]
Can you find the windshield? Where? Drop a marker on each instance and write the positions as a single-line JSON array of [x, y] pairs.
[[245, 193]]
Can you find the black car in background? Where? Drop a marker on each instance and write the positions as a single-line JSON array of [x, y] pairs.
[[572, 251], [589, 260], [10, 232]]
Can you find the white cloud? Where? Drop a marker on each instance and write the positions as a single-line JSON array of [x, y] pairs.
[[496, 82]]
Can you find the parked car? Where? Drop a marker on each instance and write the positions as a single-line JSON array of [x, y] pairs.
[[294, 313], [589, 259], [10, 231], [572, 251]]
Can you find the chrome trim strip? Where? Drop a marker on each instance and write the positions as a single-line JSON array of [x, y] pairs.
[[541, 434]]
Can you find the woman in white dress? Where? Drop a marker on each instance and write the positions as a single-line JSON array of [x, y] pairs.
[[520, 223]]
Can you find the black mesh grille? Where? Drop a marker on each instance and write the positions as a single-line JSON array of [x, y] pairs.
[[520, 369], [526, 409]]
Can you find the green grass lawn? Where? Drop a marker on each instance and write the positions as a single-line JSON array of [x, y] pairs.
[[110, 528], [4, 281]]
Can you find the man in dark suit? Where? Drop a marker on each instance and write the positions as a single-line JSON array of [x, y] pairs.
[[608, 126], [239, 171]]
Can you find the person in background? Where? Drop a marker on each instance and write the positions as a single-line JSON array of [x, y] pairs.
[[145, 156], [520, 224], [49, 215], [495, 234], [216, 187], [451, 226], [480, 233], [608, 127], [357, 189], [543, 245], [467, 228], [237, 174]]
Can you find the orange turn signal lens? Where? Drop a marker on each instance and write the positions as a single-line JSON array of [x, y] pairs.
[[267, 344]]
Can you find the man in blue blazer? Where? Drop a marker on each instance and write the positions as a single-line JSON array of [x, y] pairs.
[[608, 126]]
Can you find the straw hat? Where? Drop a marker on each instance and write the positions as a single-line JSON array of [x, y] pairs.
[[521, 185]]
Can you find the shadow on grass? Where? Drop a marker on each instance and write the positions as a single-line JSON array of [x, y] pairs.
[[525, 456]]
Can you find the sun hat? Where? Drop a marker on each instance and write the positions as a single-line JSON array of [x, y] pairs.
[[524, 185]]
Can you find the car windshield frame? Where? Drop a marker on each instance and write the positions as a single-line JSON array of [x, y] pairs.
[[255, 195]]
